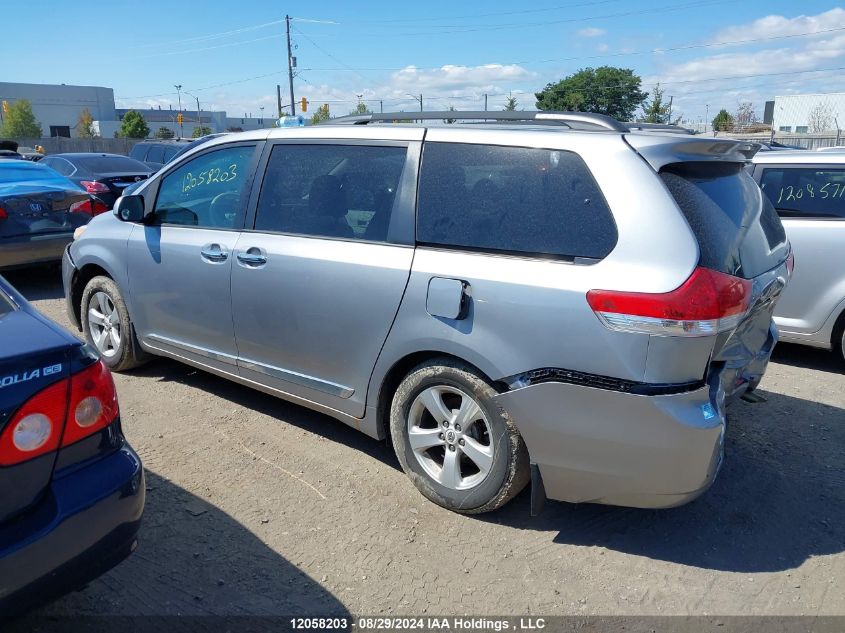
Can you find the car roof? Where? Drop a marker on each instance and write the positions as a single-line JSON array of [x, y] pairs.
[[24, 164], [87, 154], [801, 157]]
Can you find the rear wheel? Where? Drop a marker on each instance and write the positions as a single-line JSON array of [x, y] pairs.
[[839, 337], [456, 445], [106, 325]]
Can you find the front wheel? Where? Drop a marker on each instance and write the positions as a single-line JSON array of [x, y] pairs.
[[106, 325], [460, 450]]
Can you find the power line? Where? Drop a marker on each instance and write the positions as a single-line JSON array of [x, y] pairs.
[[202, 38], [206, 48]]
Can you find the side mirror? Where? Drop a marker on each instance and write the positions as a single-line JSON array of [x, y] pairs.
[[130, 208]]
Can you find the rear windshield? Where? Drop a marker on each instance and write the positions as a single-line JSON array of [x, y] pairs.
[[808, 192], [9, 173], [105, 164], [737, 228]]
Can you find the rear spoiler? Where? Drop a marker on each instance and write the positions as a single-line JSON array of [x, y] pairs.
[[661, 150]]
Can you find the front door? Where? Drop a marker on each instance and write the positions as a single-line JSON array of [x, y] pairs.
[[180, 260], [317, 283]]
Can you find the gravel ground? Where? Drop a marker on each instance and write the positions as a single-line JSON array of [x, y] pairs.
[[256, 506]]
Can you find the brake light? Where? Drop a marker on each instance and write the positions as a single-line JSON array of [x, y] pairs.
[[706, 303], [37, 426], [93, 403], [3, 214], [92, 186], [91, 207], [84, 404]]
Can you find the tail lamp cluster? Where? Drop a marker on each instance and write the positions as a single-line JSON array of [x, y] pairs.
[[708, 302], [60, 415], [92, 206]]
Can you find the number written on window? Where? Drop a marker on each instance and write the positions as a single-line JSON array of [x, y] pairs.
[[827, 190], [210, 176]]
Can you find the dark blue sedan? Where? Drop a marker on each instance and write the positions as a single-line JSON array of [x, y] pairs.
[[71, 488], [39, 211]]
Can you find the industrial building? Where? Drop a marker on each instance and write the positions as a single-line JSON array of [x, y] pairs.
[[58, 107], [806, 114]]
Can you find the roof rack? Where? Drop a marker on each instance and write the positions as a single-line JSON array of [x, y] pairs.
[[574, 120]]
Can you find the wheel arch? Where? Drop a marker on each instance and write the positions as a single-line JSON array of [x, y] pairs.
[[400, 368], [78, 282]]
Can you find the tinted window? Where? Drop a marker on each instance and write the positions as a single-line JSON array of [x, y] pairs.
[[817, 192], [138, 151], [512, 199], [344, 191], [737, 228], [59, 164], [207, 191], [156, 154], [99, 164], [169, 152]]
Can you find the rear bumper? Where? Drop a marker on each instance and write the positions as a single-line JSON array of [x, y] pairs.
[[601, 446], [87, 524], [32, 249]]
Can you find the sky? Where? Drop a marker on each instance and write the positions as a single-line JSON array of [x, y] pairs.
[[706, 54]]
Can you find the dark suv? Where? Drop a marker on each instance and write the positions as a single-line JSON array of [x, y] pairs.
[[157, 153]]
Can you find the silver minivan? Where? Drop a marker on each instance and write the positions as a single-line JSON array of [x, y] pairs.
[[808, 191], [544, 297]]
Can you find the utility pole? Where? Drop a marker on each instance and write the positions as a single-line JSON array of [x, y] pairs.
[[279, 99], [670, 109], [179, 92], [485, 102], [706, 116], [380, 105], [291, 64]]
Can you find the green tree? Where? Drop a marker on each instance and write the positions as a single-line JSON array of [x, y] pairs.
[[19, 121], [133, 126], [604, 90], [510, 104], [322, 114], [723, 122], [200, 130], [656, 110], [361, 108], [85, 124], [164, 133]]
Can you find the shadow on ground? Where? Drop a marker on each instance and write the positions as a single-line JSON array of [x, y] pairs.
[[808, 358], [194, 559], [37, 282]]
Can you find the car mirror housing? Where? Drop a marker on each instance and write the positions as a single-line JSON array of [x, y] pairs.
[[130, 208]]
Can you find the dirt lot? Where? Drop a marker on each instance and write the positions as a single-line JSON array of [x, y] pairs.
[[255, 506]]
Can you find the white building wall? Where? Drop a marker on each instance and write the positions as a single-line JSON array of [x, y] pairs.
[[793, 112], [61, 105]]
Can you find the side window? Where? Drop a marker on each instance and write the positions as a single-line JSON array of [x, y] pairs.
[[156, 154], [169, 153], [808, 192], [138, 150], [208, 191], [61, 166], [512, 199], [342, 191]]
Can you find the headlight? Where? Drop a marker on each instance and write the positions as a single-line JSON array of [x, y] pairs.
[[79, 231]]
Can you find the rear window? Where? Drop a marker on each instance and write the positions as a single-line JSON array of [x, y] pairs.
[[737, 228], [106, 164], [156, 154], [513, 200], [813, 192], [138, 151]]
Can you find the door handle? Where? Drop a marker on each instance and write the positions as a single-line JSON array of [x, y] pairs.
[[252, 257], [214, 253]]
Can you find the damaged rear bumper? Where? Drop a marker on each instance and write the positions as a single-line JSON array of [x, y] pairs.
[[602, 446]]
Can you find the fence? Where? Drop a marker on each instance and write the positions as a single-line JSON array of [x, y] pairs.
[[59, 145], [807, 141]]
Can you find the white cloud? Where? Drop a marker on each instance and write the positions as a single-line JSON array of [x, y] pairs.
[[451, 78], [602, 48], [778, 26], [591, 32]]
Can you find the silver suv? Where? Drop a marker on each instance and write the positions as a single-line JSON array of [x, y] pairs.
[[536, 296], [808, 191]]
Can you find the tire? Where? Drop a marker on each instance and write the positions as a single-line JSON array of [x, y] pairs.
[[115, 341], [839, 338], [487, 452]]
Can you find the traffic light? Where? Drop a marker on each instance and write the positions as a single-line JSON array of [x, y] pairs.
[[179, 118], [303, 104]]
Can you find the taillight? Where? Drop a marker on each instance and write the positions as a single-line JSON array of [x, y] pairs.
[[88, 401], [93, 403], [3, 214], [91, 207], [37, 426], [92, 186], [706, 303]]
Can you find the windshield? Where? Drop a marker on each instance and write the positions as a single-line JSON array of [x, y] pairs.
[[105, 164]]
